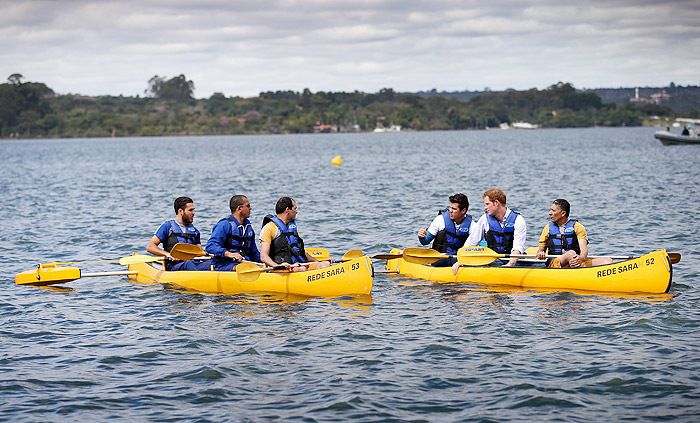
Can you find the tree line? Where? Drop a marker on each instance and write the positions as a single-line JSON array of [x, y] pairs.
[[31, 109]]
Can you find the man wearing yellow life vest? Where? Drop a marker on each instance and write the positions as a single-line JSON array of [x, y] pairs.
[[280, 243], [566, 237]]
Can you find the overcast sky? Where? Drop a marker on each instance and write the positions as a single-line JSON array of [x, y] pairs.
[[243, 47]]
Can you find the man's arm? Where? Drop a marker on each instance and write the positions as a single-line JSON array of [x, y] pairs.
[[215, 244], [154, 249], [519, 239], [427, 235]]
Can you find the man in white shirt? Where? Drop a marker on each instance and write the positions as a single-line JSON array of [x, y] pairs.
[[449, 230], [503, 229]]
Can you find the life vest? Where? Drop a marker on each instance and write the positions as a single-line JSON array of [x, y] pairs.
[[240, 238], [500, 239], [288, 245], [558, 243], [176, 235], [452, 238]]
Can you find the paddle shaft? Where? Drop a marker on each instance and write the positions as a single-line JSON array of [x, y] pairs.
[[93, 275]]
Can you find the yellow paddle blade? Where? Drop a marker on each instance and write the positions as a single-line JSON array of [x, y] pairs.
[[352, 255], [47, 274], [184, 251], [249, 271], [422, 255], [477, 256], [319, 254], [138, 258], [532, 251]]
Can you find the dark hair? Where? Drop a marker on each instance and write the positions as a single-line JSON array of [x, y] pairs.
[[283, 204], [236, 200], [460, 199], [563, 205], [181, 203]]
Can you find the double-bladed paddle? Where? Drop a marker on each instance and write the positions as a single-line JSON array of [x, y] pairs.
[[355, 254], [480, 256]]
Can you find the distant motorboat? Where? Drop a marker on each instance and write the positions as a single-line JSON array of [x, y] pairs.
[[524, 125], [669, 138], [392, 128]]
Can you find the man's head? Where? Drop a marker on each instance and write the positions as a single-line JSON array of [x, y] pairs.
[[240, 204], [560, 210], [288, 207], [459, 204], [184, 209], [494, 202]]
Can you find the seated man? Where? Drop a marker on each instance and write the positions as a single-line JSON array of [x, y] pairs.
[[280, 243], [232, 238], [178, 230], [567, 238], [504, 230], [449, 230]]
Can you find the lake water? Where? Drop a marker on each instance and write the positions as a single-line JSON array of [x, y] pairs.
[[109, 348]]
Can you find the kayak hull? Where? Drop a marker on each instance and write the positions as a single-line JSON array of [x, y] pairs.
[[348, 278], [650, 273]]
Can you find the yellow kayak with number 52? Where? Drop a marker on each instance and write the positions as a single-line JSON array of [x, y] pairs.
[[650, 273]]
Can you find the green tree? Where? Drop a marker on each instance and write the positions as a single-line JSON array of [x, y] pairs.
[[175, 89]]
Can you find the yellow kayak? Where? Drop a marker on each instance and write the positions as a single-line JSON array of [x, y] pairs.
[[348, 278], [650, 273]]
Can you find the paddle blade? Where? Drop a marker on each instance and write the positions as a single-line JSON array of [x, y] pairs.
[[477, 256], [319, 254], [138, 258], [422, 255], [674, 257], [532, 251], [47, 275], [387, 256], [184, 251], [352, 255]]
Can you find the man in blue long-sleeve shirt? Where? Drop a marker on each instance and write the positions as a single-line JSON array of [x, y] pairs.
[[233, 238]]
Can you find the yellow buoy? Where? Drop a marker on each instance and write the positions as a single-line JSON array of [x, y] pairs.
[[336, 161]]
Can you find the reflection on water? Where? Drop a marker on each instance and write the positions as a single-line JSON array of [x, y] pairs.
[[108, 348]]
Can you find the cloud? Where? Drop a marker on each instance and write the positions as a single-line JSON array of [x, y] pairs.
[[245, 47]]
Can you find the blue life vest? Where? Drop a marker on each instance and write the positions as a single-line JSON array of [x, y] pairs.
[[240, 238], [558, 243], [288, 246], [500, 239], [452, 238], [176, 235]]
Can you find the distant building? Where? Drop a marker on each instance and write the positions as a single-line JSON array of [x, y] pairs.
[[320, 128], [656, 98]]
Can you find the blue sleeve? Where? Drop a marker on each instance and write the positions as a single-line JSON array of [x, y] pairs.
[[215, 245], [428, 238], [163, 231], [254, 252]]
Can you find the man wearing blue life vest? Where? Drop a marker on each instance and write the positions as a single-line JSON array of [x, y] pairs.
[[449, 230], [178, 230], [233, 238], [503, 229], [566, 237], [280, 243]]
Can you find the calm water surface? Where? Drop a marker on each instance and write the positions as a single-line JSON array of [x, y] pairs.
[[108, 348]]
